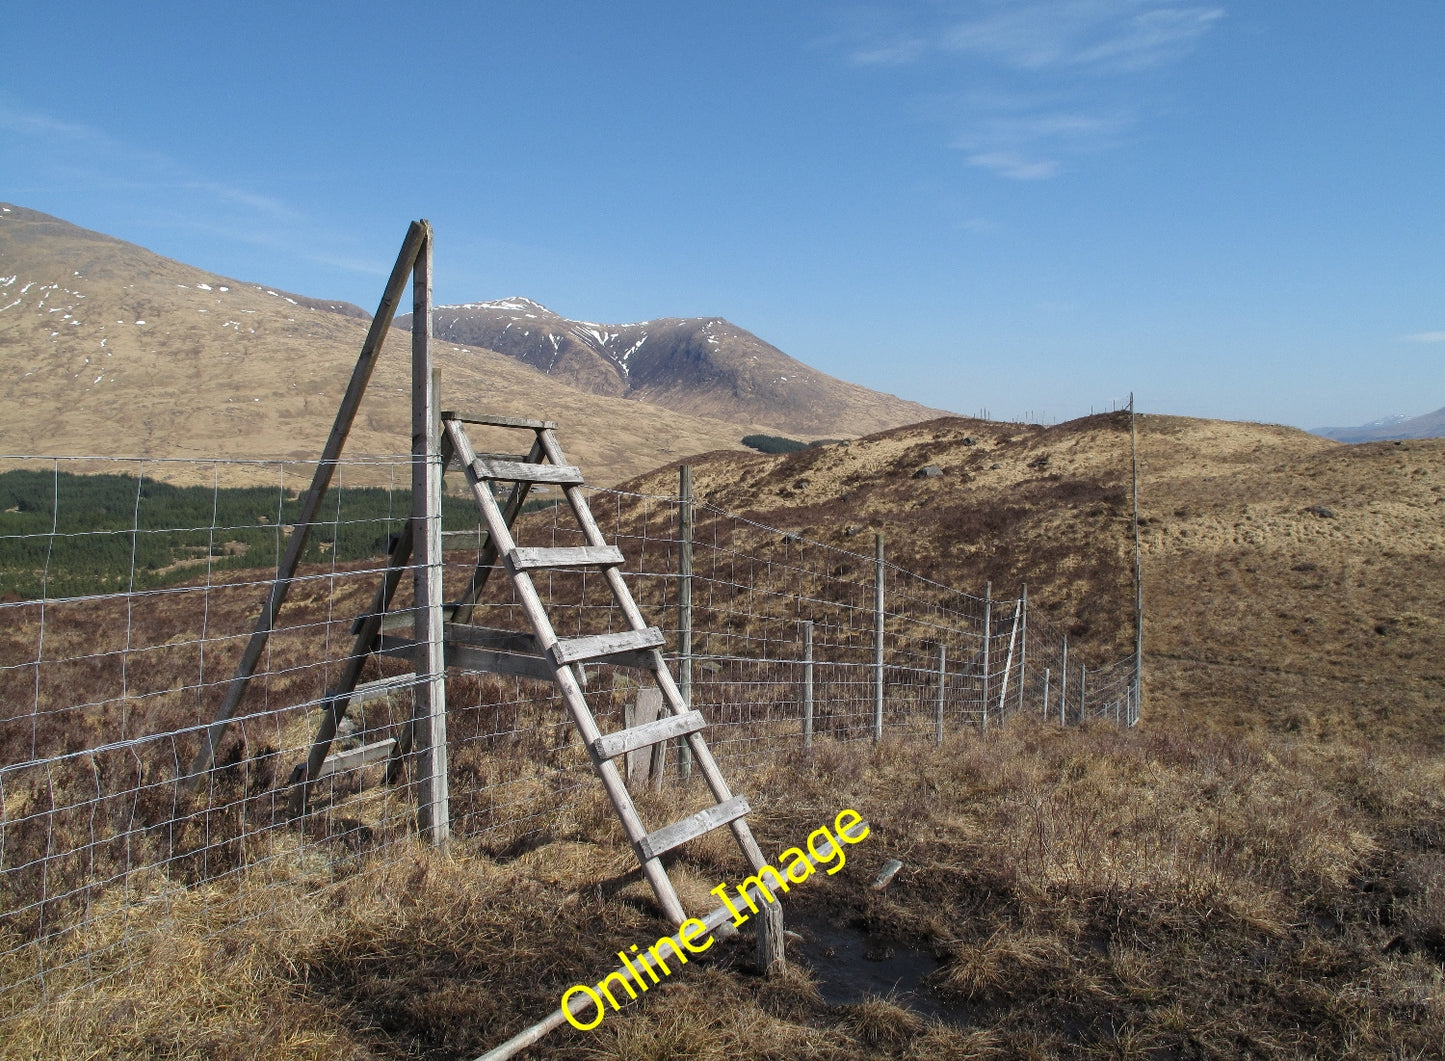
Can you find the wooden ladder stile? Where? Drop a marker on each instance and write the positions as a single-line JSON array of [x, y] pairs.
[[542, 655], [639, 645]]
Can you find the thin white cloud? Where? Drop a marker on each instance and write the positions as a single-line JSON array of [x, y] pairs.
[[1019, 167], [85, 152], [1043, 81], [1424, 337], [1103, 35]]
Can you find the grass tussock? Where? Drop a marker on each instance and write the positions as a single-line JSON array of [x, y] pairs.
[[1089, 894]]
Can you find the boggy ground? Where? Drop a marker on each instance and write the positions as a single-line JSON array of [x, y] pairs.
[[1091, 893]]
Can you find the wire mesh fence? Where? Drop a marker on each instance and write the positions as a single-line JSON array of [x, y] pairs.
[[126, 599]]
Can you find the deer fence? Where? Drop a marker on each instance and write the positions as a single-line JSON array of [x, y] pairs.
[[127, 594]]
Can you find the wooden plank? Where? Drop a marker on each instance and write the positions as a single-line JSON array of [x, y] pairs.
[[382, 687], [470, 657], [357, 757], [527, 472], [467, 657], [525, 558], [614, 744], [669, 836], [498, 421], [595, 646], [519, 641], [639, 713]]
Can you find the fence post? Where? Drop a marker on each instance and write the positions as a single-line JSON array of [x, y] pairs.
[[1138, 566], [1064, 681], [1023, 640], [1083, 685], [942, 682], [877, 638], [987, 638], [429, 712], [807, 685], [1008, 662], [1046, 694], [684, 610]]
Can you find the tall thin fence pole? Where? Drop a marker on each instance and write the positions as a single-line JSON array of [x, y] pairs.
[[942, 683], [808, 685], [1138, 566], [1009, 661], [1083, 686], [1064, 680], [1023, 641], [684, 609], [1046, 695], [877, 638], [987, 640], [429, 716]]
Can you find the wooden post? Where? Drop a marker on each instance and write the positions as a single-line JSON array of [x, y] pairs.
[[877, 638], [942, 684], [772, 957], [808, 685], [987, 638], [1008, 662], [1023, 640], [1064, 680], [325, 468], [1138, 566], [684, 609], [429, 711]]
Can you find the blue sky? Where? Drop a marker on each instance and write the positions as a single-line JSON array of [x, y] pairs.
[[1233, 209]]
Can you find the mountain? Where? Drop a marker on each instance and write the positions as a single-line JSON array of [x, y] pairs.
[[110, 350], [701, 365], [1430, 425]]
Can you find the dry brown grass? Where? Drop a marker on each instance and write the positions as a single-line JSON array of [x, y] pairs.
[[1091, 893], [1255, 872]]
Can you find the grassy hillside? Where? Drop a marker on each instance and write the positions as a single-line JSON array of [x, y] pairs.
[[1253, 872]]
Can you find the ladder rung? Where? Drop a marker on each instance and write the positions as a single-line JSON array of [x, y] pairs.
[[595, 646], [357, 757], [611, 745], [499, 421], [527, 472], [678, 833], [526, 558]]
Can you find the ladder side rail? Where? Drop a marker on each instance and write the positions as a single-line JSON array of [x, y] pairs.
[[702, 755], [605, 769]]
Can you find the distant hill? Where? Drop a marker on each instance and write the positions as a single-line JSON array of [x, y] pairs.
[[107, 349], [700, 365], [1430, 425], [1290, 583]]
